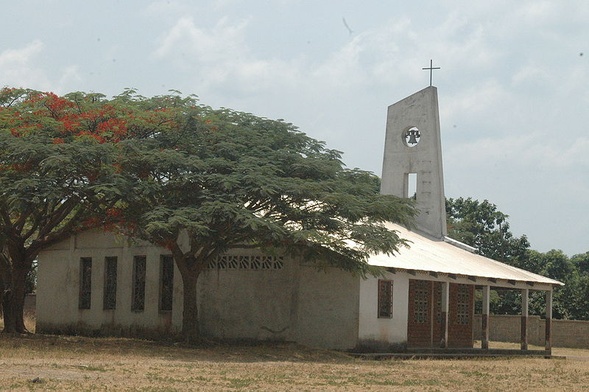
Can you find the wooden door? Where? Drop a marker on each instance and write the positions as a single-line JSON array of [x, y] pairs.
[[425, 327], [460, 317], [424, 323]]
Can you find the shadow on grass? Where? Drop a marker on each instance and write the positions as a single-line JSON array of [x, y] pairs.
[[207, 350]]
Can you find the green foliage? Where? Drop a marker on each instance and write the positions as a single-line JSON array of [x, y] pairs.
[[205, 181], [481, 225], [182, 175], [57, 176], [233, 179]]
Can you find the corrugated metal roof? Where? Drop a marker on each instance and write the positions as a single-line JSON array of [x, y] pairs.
[[431, 255]]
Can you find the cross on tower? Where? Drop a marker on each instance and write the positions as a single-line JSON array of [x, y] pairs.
[[431, 70]]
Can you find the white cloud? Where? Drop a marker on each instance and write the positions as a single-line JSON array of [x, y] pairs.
[[15, 57], [70, 77], [18, 68], [220, 55], [221, 45]]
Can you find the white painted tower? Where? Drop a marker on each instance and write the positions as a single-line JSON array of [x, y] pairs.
[[412, 165]]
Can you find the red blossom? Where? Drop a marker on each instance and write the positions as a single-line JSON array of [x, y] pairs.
[[57, 105], [22, 167], [114, 212], [92, 222]]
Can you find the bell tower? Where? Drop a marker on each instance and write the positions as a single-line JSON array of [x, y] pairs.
[[412, 165]]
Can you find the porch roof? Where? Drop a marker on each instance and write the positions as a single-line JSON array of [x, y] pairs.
[[450, 257]]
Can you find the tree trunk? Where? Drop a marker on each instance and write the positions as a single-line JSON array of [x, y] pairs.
[[190, 326], [13, 301]]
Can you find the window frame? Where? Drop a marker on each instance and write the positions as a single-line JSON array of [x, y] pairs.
[[166, 284], [138, 283], [109, 297], [385, 299], [85, 283]]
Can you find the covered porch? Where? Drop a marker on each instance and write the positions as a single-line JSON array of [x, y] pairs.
[[455, 272]]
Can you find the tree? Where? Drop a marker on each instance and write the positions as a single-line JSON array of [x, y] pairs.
[[483, 226], [220, 179], [56, 178], [581, 262]]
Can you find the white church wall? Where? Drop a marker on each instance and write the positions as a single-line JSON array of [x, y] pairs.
[[328, 308], [248, 303], [381, 332], [57, 293], [59, 282], [294, 303], [281, 301]]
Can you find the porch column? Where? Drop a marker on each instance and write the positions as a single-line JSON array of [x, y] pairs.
[[485, 318], [524, 320], [549, 322], [444, 313]]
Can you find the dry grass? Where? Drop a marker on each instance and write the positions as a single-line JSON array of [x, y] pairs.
[[38, 362]]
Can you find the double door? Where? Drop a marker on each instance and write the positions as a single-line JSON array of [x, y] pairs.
[[426, 319]]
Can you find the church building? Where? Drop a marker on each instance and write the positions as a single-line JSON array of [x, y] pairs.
[[100, 283]]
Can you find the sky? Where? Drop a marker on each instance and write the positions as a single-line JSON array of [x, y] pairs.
[[513, 84]]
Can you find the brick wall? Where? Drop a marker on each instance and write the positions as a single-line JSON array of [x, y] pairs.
[[565, 333]]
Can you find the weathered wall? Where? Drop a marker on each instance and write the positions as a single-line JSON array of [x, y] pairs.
[[58, 288], [327, 308], [245, 303], [293, 303], [419, 110], [565, 333], [503, 328], [285, 301]]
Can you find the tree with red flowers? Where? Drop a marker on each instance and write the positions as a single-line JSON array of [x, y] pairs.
[[181, 175], [57, 177]]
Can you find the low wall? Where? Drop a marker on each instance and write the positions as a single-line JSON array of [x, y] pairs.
[[565, 333]]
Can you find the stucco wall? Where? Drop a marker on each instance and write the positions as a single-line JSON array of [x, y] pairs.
[[383, 331], [294, 302], [58, 287], [327, 308], [253, 304]]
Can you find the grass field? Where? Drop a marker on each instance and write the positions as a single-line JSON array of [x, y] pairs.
[[44, 362]]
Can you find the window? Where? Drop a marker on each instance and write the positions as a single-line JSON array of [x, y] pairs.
[[232, 262], [85, 296], [166, 283], [385, 299], [109, 300], [411, 185], [138, 289]]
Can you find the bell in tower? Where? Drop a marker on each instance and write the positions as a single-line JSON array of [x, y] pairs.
[[412, 136]]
